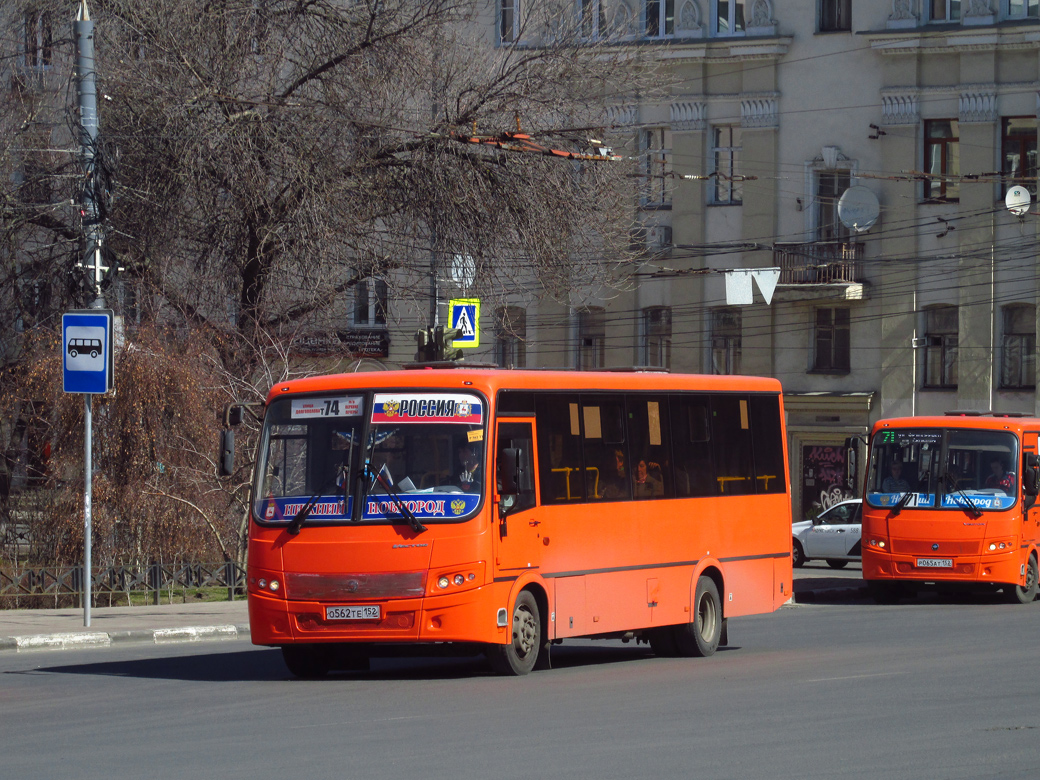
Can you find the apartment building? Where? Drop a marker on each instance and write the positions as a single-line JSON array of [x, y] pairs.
[[779, 108], [765, 114]]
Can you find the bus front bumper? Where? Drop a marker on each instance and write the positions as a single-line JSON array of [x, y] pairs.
[[469, 616]]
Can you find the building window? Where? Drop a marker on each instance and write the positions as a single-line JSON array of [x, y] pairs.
[[593, 20], [511, 337], [660, 18], [944, 10], [1023, 9], [726, 152], [1018, 150], [829, 188], [1018, 347], [37, 39], [370, 303], [725, 341], [508, 21], [835, 15], [941, 159], [655, 147], [832, 347], [940, 351], [592, 334], [729, 17], [657, 337]]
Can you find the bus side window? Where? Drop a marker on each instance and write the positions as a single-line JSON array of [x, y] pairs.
[[694, 472], [767, 435], [731, 433], [561, 478]]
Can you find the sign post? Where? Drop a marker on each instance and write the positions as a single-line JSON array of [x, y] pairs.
[[87, 363]]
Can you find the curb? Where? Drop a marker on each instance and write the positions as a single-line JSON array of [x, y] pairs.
[[158, 636]]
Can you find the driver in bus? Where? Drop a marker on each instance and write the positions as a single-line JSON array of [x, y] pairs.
[[469, 477], [894, 482], [999, 478]]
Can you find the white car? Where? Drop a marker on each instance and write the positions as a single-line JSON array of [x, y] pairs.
[[834, 535]]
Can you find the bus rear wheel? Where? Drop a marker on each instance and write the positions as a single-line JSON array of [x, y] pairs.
[[309, 662], [701, 637], [521, 654], [1025, 594]]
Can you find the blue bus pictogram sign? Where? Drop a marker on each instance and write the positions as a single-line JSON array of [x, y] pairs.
[[88, 354]]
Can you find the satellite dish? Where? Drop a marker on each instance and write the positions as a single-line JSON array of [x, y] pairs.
[[1018, 200], [858, 208]]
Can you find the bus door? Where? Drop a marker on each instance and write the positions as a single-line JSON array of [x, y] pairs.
[[520, 530]]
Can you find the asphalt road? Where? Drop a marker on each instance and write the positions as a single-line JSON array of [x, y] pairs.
[[933, 689]]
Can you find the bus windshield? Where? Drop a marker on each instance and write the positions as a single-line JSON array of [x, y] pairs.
[[943, 468], [420, 452]]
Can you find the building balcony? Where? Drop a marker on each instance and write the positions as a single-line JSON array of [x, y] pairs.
[[820, 270]]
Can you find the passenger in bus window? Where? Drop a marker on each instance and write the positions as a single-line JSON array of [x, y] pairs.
[[894, 482], [469, 478], [999, 477], [646, 482], [616, 481]]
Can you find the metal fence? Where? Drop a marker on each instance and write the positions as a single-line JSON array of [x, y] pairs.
[[123, 582]]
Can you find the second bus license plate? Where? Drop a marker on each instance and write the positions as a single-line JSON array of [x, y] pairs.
[[934, 563], [367, 612]]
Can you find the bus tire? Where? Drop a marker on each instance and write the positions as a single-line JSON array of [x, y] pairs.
[[521, 654], [797, 555], [837, 563], [309, 662], [1018, 594], [700, 638]]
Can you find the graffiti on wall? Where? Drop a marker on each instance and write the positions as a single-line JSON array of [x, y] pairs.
[[823, 478]]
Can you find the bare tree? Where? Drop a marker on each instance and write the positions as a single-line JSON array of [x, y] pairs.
[[265, 156]]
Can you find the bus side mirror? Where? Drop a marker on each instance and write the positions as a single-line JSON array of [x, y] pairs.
[[1031, 476], [226, 461], [851, 463]]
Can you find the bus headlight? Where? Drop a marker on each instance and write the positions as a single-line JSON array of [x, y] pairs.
[[455, 579], [880, 543]]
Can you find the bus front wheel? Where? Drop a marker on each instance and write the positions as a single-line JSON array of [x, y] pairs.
[[701, 637], [309, 662], [1025, 594], [521, 654]]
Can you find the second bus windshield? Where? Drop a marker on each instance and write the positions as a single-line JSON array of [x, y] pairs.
[[950, 467]]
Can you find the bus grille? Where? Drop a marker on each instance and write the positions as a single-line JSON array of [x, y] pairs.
[[340, 587]]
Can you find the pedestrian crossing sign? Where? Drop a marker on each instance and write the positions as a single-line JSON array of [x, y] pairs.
[[464, 314]]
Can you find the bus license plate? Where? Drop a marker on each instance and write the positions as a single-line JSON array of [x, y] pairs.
[[934, 563], [367, 612]]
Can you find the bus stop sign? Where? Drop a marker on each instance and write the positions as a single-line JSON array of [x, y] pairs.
[[87, 351]]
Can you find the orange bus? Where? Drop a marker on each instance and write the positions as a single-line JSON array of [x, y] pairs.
[[947, 502], [504, 511]]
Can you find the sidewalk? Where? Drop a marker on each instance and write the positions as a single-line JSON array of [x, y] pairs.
[[24, 630]]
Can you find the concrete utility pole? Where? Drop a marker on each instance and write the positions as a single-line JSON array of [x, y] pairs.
[[83, 29]]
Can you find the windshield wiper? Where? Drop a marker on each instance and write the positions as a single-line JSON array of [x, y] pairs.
[[391, 491], [903, 501], [297, 522], [951, 485]]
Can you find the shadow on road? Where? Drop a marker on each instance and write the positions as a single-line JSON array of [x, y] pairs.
[[263, 664]]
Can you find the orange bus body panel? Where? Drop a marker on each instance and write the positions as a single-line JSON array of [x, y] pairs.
[[602, 568], [923, 533]]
